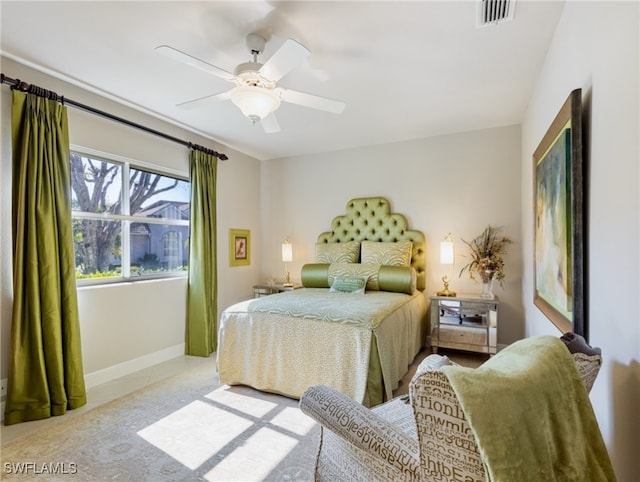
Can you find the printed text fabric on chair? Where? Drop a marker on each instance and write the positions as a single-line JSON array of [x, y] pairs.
[[202, 289], [45, 365]]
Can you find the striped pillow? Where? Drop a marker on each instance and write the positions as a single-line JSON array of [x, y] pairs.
[[328, 253], [391, 254]]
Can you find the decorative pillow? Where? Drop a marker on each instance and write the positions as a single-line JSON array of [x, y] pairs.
[[315, 275], [355, 269], [348, 252], [392, 254], [349, 284], [397, 279]]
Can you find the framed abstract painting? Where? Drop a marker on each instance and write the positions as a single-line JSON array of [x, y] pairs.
[[559, 258]]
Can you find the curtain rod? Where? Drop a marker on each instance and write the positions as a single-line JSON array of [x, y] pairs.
[[34, 89]]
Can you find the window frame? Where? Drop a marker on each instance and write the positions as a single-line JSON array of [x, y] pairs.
[[127, 220]]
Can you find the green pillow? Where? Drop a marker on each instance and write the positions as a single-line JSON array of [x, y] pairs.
[[349, 284], [315, 275], [397, 279]]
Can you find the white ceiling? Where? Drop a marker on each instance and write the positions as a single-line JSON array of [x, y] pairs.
[[406, 70]]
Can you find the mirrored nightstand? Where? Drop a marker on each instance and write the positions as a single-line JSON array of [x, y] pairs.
[[267, 289], [464, 322]]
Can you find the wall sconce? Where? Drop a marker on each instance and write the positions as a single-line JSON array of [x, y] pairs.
[[447, 256], [287, 257]]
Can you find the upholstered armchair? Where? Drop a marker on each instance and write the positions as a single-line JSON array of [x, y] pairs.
[[422, 436]]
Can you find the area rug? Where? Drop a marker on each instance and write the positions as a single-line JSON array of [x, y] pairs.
[[186, 428]]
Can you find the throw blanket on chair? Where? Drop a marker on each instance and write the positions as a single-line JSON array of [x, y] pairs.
[[531, 415]]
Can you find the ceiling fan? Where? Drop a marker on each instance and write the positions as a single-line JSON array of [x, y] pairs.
[[256, 92]]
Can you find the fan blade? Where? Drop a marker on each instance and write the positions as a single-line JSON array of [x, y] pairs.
[[312, 101], [288, 57], [270, 124], [199, 102], [180, 56]]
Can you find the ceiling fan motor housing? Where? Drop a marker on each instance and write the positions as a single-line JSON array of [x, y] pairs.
[[255, 43], [249, 74], [248, 69]]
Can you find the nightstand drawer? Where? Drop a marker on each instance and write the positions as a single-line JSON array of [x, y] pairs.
[[462, 334]]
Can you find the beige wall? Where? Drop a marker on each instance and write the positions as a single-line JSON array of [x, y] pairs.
[[457, 183], [131, 325], [596, 48]]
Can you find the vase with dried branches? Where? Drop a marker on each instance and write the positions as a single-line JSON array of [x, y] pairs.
[[486, 263]]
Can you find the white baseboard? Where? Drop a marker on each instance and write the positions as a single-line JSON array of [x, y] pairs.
[[131, 366], [116, 371]]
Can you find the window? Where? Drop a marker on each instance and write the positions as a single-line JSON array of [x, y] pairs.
[[128, 223]]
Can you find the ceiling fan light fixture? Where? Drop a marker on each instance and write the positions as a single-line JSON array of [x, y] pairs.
[[256, 103]]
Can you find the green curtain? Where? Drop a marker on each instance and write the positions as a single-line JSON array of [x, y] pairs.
[[45, 363], [202, 291]]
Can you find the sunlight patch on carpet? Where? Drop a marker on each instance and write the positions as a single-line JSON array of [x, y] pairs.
[[294, 420], [246, 404], [266, 446], [195, 433]]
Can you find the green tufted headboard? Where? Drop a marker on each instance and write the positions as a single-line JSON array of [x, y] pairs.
[[370, 219]]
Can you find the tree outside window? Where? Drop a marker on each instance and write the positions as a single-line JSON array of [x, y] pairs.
[[128, 222]]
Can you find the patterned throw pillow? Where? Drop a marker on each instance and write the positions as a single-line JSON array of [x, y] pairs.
[[355, 270], [349, 284], [391, 254], [348, 252]]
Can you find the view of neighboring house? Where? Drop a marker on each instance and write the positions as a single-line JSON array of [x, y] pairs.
[[160, 246]]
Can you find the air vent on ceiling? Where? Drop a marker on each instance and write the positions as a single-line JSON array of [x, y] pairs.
[[492, 12]]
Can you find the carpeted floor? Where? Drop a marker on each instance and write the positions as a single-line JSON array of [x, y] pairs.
[[185, 428]]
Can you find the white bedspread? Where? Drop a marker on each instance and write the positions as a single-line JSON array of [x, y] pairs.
[[287, 342]]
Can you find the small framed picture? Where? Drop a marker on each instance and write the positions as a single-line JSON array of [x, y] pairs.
[[239, 247]]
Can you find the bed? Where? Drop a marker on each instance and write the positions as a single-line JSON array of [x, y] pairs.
[[357, 323]]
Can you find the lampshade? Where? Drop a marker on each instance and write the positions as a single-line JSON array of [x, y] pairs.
[[447, 256], [446, 250], [255, 102], [287, 252]]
